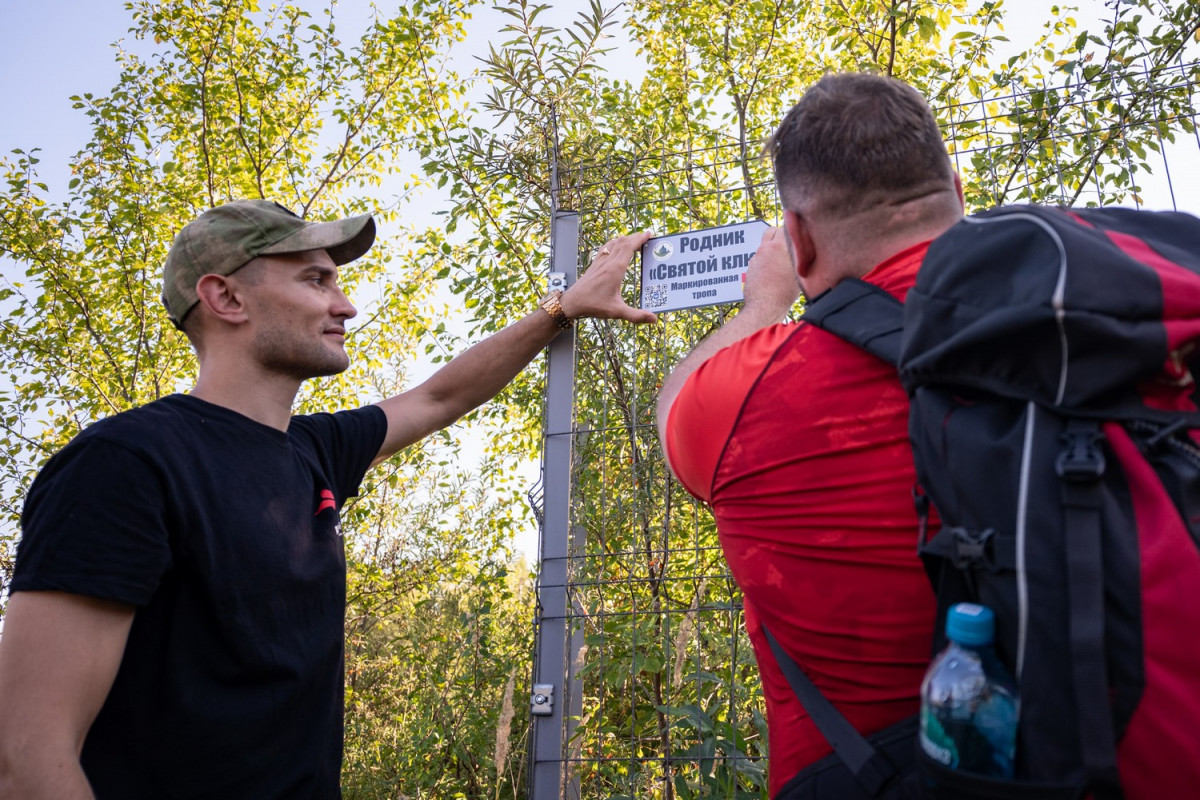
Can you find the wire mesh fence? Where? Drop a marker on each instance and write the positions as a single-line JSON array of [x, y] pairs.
[[659, 684]]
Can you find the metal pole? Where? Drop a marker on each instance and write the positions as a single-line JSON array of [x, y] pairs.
[[552, 657]]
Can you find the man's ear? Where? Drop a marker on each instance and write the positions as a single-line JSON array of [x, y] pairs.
[[218, 293], [803, 251], [962, 201]]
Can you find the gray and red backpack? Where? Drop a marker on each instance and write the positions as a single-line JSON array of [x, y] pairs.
[[1051, 356]]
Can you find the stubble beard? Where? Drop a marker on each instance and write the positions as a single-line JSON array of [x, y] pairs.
[[288, 355]]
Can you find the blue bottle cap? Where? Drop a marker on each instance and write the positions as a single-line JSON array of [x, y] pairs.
[[970, 624]]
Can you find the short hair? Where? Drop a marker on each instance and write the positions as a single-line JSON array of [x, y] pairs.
[[855, 140]]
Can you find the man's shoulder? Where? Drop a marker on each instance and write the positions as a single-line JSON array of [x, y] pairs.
[[733, 369], [127, 446], [350, 437], [368, 419], [133, 436], [134, 423], [744, 354]]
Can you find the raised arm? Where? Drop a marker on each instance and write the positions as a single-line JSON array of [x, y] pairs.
[[480, 372], [770, 291], [59, 654]]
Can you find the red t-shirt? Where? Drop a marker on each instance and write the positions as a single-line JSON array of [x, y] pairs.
[[799, 442]]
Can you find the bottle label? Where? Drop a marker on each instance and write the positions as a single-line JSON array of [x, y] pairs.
[[936, 743]]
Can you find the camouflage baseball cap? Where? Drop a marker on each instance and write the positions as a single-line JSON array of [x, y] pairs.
[[224, 239]]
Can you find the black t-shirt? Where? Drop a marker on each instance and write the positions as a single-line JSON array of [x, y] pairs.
[[224, 532]]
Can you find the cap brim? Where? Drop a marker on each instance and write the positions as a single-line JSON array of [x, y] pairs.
[[344, 239]]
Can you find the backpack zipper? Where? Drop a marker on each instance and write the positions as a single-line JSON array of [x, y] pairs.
[[1022, 518]]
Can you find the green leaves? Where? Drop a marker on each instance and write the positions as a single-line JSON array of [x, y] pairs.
[[646, 115], [220, 100]]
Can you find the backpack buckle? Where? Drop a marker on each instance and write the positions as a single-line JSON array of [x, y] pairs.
[[1082, 460], [970, 548]]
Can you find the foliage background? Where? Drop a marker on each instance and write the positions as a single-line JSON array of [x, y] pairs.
[[227, 98]]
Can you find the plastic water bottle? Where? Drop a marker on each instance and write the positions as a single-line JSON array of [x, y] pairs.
[[969, 703]]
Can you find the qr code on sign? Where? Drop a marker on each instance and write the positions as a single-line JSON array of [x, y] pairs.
[[656, 296]]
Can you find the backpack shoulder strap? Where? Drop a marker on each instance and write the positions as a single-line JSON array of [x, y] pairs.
[[862, 314], [1080, 467], [870, 768]]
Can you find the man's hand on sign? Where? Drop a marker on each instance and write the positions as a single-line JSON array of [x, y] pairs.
[[597, 293], [771, 283]]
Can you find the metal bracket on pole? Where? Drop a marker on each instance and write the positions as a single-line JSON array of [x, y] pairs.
[[541, 702]]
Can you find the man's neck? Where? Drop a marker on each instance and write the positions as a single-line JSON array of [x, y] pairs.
[[893, 229], [267, 400]]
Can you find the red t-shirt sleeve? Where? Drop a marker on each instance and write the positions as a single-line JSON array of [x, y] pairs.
[[706, 409]]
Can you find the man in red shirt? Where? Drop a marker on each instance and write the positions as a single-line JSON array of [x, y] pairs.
[[799, 441]]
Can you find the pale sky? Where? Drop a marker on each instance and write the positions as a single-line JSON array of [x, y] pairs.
[[52, 50]]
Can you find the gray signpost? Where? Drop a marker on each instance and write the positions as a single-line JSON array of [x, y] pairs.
[[552, 693]]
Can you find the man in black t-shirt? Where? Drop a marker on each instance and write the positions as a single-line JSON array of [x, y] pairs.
[[175, 623]]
